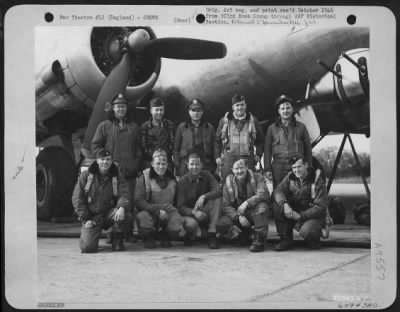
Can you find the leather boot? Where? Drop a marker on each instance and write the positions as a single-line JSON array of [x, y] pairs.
[[117, 241], [128, 232], [212, 241], [165, 240], [258, 242], [130, 238], [148, 241], [244, 239], [187, 241], [313, 244], [286, 243], [108, 237]]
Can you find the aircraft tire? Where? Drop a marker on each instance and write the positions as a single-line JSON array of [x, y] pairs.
[[336, 210], [55, 181]]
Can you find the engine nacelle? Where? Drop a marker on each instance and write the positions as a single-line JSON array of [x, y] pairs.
[[73, 82], [343, 94]]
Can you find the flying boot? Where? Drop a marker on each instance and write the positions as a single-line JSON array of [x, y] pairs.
[[212, 241], [258, 242], [286, 242], [117, 241], [165, 240], [148, 240]]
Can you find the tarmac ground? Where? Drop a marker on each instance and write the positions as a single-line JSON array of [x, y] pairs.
[[198, 277]]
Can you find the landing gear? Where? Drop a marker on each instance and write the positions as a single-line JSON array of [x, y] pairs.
[[55, 181], [361, 210], [335, 206], [347, 136]]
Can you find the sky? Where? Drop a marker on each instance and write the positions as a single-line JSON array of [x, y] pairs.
[[361, 143]]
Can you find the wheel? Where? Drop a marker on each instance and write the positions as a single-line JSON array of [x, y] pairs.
[[55, 180], [362, 213], [336, 210]]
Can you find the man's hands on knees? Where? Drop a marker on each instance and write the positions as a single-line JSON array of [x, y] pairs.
[[200, 202], [89, 224], [120, 215], [241, 211], [290, 213], [242, 208], [163, 215], [198, 215]]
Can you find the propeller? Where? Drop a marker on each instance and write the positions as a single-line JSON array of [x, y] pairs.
[[127, 53], [115, 83], [186, 48]]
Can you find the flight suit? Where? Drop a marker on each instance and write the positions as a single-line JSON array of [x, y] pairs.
[[283, 143], [235, 138], [255, 192], [311, 207], [189, 190], [125, 146], [150, 198], [188, 137], [99, 204], [154, 137]]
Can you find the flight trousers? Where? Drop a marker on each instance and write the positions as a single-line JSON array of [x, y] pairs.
[[257, 216], [309, 229], [89, 239], [212, 209], [149, 223]]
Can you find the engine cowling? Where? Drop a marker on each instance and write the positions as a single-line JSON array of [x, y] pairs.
[[73, 82]]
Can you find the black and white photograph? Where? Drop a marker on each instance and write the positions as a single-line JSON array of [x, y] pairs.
[[201, 157]]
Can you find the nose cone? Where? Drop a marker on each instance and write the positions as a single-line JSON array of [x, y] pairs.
[[137, 40]]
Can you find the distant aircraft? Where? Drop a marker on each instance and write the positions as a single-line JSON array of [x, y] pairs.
[[325, 69]]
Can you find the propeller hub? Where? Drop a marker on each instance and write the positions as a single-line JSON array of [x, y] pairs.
[[137, 40]]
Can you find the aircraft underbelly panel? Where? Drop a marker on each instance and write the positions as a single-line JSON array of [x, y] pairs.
[[307, 116]]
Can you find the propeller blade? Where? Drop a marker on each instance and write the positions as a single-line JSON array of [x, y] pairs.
[[114, 83], [185, 48]]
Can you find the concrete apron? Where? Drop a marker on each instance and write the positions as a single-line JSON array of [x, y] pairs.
[[198, 276]]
